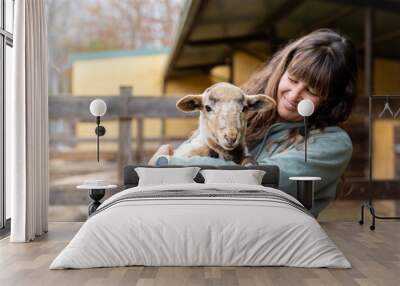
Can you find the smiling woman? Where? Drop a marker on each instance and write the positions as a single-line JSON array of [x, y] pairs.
[[320, 66]]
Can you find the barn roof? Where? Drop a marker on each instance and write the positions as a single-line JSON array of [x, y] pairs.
[[209, 31]]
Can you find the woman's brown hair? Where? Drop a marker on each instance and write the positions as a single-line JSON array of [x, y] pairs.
[[326, 61]]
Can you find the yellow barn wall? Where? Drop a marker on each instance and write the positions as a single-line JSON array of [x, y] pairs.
[[244, 66], [383, 147], [105, 76], [184, 85], [386, 77], [219, 74]]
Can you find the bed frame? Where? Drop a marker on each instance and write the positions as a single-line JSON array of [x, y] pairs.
[[270, 179], [131, 178]]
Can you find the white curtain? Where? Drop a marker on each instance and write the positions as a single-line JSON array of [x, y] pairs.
[[27, 124]]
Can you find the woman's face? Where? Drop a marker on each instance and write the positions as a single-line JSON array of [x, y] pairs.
[[290, 92]]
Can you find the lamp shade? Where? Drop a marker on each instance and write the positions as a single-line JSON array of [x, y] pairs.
[[98, 107], [305, 107]]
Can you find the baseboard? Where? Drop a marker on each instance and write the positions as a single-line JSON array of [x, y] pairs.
[[5, 231]]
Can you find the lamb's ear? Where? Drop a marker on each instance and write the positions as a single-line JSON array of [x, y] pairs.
[[260, 101], [190, 103]]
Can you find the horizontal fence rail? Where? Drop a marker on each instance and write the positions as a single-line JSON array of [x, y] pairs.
[[77, 107]]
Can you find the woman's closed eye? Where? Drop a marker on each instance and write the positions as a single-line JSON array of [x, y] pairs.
[[296, 81], [293, 80]]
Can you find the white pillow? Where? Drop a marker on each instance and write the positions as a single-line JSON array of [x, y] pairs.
[[248, 177], [163, 176]]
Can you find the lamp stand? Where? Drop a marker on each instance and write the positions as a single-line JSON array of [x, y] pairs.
[[100, 131], [305, 138], [305, 192], [98, 137]]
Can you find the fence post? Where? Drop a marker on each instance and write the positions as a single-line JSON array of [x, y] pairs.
[[163, 120], [125, 134], [163, 130], [139, 140]]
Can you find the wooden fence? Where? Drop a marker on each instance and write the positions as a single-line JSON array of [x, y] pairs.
[[123, 108]]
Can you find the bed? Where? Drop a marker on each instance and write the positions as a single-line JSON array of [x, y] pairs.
[[201, 224]]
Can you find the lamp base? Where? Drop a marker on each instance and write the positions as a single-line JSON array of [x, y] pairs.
[[96, 195], [305, 190], [305, 193]]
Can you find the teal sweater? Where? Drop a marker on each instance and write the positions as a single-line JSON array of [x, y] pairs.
[[328, 153]]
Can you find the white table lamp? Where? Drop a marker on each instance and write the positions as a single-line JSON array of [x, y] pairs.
[[305, 184], [98, 108]]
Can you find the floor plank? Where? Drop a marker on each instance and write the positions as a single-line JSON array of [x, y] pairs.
[[375, 257]]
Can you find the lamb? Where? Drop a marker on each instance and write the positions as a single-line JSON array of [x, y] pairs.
[[222, 123]]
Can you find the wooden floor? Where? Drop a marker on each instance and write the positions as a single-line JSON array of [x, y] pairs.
[[375, 257]]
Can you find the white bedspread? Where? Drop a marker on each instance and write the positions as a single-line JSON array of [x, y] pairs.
[[181, 231]]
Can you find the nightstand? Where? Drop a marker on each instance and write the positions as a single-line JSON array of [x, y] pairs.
[[305, 190], [96, 193]]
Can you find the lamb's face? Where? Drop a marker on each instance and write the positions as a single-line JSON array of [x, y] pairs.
[[224, 111], [224, 108]]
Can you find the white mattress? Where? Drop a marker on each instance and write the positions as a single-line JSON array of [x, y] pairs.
[[198, 231]]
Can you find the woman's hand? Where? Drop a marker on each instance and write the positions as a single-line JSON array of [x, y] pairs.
[[163, 150]]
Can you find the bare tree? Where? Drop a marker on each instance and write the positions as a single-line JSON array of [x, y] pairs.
[[135, 23], [56, 37]]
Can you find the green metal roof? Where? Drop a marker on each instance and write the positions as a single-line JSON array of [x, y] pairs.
[[116, 54], [211, 30]]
